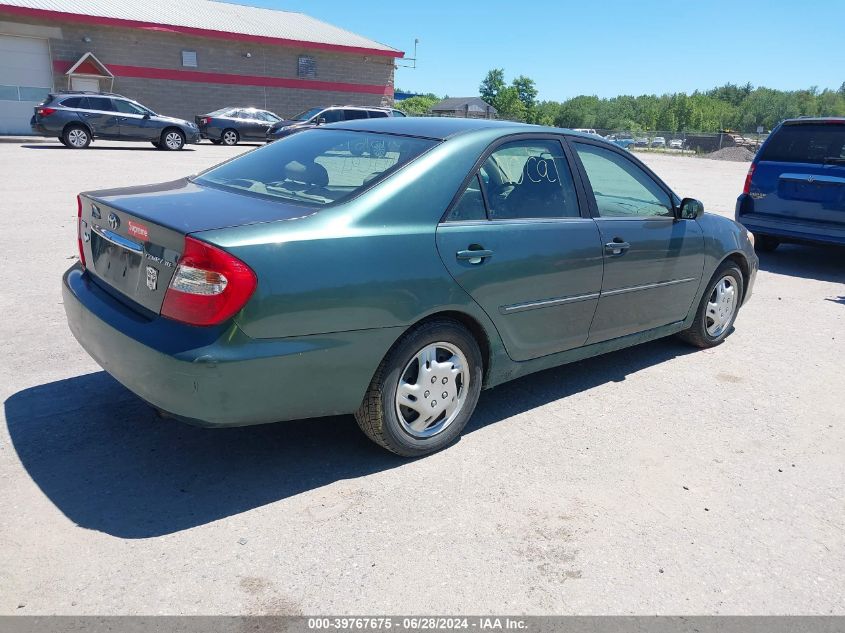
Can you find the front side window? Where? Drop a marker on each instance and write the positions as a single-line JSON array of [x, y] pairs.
[[377, 114], [620, 187], [308, 114], [332, 116], [529, 179], [398, 113], [316, 167], [127, 108]]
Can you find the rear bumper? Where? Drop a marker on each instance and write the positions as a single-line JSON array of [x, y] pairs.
[[790, 229], [219, 376]]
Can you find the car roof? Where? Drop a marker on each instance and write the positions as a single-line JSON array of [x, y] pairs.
[[443, 127], [815, 119]]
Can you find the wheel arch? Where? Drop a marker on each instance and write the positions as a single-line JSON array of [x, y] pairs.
[[745, 268], [476, 329], [81, 124], [165, 130]]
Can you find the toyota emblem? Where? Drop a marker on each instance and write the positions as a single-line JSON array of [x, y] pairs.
[[114, 221]]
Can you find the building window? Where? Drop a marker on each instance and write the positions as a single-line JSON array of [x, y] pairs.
[[189, 59], [306, 68]]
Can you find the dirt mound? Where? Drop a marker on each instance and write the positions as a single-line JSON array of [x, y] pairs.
[[738, 154]]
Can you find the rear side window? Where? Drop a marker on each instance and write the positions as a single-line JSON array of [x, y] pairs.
[[532, 181], [73, 102], [470, 206], [352, 115], [807, 143], [316, 167], [100, 103]]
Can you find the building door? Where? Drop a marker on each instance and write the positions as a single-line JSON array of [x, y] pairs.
[[85, 84], [25, 80]]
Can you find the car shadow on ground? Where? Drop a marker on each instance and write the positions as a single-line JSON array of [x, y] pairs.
[[822, 263], [140, 148], [110, 464]]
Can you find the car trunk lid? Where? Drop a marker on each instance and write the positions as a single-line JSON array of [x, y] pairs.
[[133, 238]]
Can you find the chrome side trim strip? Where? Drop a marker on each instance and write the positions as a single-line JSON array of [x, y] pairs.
[[546, 303], [117, 240], [660, 284]]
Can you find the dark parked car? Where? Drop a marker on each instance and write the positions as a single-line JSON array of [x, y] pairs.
[[302, 280], [795, 188], [333, 114], [77, 118], [230, 125]]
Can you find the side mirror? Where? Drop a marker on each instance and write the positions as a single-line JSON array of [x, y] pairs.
[[146, 115], [690, 209], [321, 121]]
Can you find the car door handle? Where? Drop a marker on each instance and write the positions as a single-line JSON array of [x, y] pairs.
[[474, 256], [617, 248]]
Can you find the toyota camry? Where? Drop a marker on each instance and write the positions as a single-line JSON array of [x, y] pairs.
[[392, 269]]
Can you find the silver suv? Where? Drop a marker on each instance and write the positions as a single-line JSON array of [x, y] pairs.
[[332, 114]]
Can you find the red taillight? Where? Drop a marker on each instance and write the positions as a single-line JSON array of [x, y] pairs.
[[45, 111], [205, 120], [209, 285], [747, 187], [79, 230]]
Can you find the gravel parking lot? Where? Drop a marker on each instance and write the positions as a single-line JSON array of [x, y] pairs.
[[657, 479]]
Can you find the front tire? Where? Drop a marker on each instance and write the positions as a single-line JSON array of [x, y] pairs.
[[718, 308], [424, 391], [765, 243], [172, 140], [229, 137], [76, 137]]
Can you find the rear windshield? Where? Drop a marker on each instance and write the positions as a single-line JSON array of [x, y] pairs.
[[806, 143], [316, 167]]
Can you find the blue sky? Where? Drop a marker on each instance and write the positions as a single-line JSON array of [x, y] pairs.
[[603, 47]]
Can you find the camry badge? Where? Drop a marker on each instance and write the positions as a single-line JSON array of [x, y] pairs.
[[114, 221], [152, 278]]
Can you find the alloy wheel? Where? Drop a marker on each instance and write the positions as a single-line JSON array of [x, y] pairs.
[[77, 137], [173, 140], [230, 137], [432, 390], [721, 306]]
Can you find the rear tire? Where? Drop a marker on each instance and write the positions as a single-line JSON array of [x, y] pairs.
[[230, 137], [172, 140], [62, 141], [765, 243], [717, 309], [156, 144], [76, 137], [215, 141], [424, 391]]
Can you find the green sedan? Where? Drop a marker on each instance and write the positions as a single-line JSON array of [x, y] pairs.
[[392, 269]]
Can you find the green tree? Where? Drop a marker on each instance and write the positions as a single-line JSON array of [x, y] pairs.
[[492, 85], [509, 105], [420, 104]]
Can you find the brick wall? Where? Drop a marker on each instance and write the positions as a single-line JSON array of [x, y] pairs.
[[136, 47]]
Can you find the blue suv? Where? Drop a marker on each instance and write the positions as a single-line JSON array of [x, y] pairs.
[[795, 188]]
